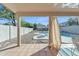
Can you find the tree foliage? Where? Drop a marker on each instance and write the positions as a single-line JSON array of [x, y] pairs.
[[8, 14], [73, 21], [26, 24], [34, 26]]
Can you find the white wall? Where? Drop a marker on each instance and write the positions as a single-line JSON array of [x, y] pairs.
[[4, 32]]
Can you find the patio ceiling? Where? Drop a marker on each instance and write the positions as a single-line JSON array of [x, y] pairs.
[[47, 8]]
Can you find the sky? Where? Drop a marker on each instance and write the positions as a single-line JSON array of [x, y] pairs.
[[62, 19], [3, 20], [39, 19], [44, 19]]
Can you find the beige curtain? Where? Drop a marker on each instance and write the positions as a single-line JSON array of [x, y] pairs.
[[54, 35]]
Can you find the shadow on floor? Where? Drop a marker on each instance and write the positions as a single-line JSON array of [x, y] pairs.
[[43, 52], [7, 43], [8, 48]]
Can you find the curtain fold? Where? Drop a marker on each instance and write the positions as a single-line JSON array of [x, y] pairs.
[[54, 35]]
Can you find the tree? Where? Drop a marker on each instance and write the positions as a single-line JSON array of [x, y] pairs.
[[35, 26], [8, 14], [23, 23], [76, 21], [26, 24], [71, 22]]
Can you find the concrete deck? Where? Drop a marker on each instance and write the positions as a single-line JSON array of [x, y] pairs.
[[27, 50]]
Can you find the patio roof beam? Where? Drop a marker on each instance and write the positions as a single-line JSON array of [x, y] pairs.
[[48, 13]]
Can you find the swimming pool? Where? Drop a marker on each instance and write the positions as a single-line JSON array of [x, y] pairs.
[[68, 34], [62, 33], [66, 37], [42, 34]]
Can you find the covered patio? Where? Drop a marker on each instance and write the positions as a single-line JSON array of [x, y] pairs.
[[47, 9]]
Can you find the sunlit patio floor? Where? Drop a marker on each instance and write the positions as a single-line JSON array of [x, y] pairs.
[[27, 50]]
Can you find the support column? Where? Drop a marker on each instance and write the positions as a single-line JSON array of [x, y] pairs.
[[18, 30], [54, 35]]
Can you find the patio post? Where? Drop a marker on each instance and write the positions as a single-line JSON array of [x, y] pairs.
[[18, 30], [54, 35]]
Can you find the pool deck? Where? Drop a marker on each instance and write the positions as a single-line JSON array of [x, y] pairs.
[[28, 50]]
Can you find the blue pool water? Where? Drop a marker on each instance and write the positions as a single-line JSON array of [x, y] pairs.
[[62, 33], [68, 34], [44, 32]]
